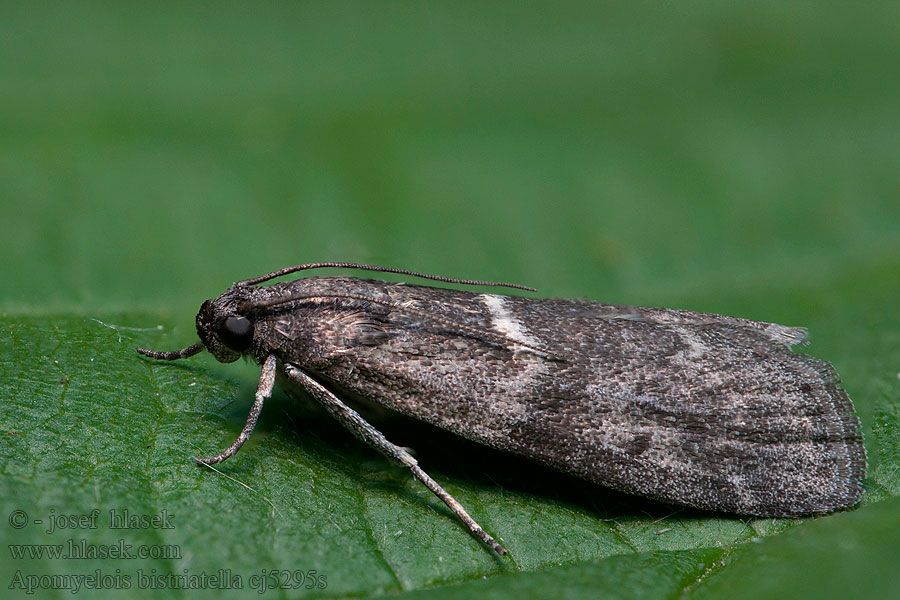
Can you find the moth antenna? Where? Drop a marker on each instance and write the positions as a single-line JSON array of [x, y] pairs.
[[174, 355], [474, 331], [347, 265]]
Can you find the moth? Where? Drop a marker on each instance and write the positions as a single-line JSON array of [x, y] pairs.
[[699, 409]]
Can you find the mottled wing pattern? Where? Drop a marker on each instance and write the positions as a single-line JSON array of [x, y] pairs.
[[710, 411]]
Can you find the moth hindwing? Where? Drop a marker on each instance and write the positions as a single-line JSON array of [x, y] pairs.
[[699, 409]]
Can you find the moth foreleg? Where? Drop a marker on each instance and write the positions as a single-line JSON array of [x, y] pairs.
[[263, 391], [351, 419]]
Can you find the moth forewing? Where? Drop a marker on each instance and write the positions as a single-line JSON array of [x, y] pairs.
[[710, 411], [705, 410]]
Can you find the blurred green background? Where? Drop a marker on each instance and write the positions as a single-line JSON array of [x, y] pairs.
[[733, 158]]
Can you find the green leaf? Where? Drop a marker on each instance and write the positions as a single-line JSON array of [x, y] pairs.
[[91, 425], [725, 158]]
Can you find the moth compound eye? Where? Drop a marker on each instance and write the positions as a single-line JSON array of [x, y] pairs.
[[236, 333]]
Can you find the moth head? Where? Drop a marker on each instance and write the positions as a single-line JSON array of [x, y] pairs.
[[225, 332], [224, 329]]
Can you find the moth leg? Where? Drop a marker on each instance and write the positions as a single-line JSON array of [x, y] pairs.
[[263, 391], [351, 419]]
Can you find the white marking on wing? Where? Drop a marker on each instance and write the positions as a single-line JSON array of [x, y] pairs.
[[506, 323], [786, 335], [696, 348]]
